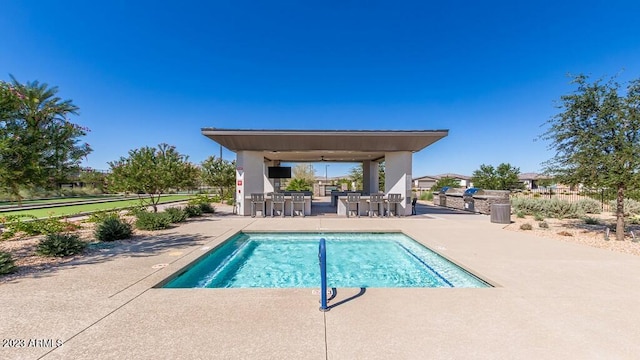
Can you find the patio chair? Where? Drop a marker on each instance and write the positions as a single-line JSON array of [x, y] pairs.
[[257, 199], [277, 199], [353, 198], [393, 200], [297, 198], [375, 200]]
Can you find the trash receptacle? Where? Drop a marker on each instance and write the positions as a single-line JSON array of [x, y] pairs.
[[501, 213], [442, 197], [467, 198]]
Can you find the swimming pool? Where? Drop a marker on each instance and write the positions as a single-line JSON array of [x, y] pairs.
[[290, 260]]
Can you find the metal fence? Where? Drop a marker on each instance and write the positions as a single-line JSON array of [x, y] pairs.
[[604, 196]]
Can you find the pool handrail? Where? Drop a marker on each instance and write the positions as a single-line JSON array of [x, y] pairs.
[[322, 257]]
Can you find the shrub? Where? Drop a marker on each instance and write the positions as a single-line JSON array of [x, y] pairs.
[[538, 217], [520, 214], [543, 224], [175, 215], [591, 221], [30, 225], [192, 210], [100, 216], [207, 208], [231, 202], [635, 220], [562, 209], [152, 221], [631, 207], [589, 206], [526, 226], [113, 228], [60, 245], [7, 265], [427, 195]]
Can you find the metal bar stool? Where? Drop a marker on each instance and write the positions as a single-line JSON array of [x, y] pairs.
[[257, 199], [395, 200], [297, 198], [353, 198], [374, 204], [277, 199]]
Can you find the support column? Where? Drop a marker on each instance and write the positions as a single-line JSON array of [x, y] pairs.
[[370, 177], [398, 177], [250, 175]]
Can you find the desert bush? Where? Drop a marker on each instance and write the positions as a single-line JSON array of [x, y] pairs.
[[562, 209], [589, 206], [112, 228], [526, 226], [538, 217], [16, 225], [192, 210], [7, 265], [175, 215], [100, 216], [631, 207], [60, 245], [426, 195], [207, 208], [528, 206], [591, 221], [520, 214], [152, 221], [543, 224]]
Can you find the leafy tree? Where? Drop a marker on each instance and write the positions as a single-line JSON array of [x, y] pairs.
[[39, 146], [356, 175], [503, 177], [304, 172], [596, 137], [219, 173], [93, 178], [445, 181], [151, 172]]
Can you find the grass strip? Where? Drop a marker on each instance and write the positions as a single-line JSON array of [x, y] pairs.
[[84, 208]]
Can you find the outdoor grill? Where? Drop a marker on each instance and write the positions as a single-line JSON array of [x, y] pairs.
[[467, 198]]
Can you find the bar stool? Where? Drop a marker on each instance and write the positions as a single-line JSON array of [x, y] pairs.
[[353, 198], [395, 200], [297, 198], [257, 199], [374, 204], [277, 199]]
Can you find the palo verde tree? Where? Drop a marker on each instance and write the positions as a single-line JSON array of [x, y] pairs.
[[502, 177], [596, 137], [39, 145], [151, 172], [219, 173]]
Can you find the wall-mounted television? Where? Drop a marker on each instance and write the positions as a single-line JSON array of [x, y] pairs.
[[279, 172]]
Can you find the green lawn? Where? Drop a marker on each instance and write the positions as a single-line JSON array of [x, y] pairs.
[[59, 200], [75, 209]]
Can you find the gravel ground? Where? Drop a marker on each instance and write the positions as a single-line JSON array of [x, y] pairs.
[[576, 231]]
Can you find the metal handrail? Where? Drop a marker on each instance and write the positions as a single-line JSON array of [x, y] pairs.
[[322, 258]]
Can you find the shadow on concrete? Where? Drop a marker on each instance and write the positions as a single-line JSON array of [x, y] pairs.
[[99, 252], [334, 294]]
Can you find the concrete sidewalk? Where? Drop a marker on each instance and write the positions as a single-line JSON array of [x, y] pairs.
[[552, 300]]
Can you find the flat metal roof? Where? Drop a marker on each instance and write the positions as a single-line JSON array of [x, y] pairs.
[[324, 145]]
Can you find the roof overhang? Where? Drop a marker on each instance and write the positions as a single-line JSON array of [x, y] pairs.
[[324, 145]]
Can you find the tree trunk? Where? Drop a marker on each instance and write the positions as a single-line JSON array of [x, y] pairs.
[[620, 213]]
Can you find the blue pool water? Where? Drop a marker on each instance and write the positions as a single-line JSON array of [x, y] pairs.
[[290, 260]]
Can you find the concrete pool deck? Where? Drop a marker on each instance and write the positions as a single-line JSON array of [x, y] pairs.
[[552, 300]]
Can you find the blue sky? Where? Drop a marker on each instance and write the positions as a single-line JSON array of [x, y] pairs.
[[150, 72]]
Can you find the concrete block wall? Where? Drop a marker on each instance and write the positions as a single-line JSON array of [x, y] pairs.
[[482, 202]]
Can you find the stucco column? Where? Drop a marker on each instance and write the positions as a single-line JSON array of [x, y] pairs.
[[370, 177], [250, 178], [398, 177]]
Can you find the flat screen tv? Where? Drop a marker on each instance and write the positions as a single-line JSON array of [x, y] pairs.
[[279, 172]]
